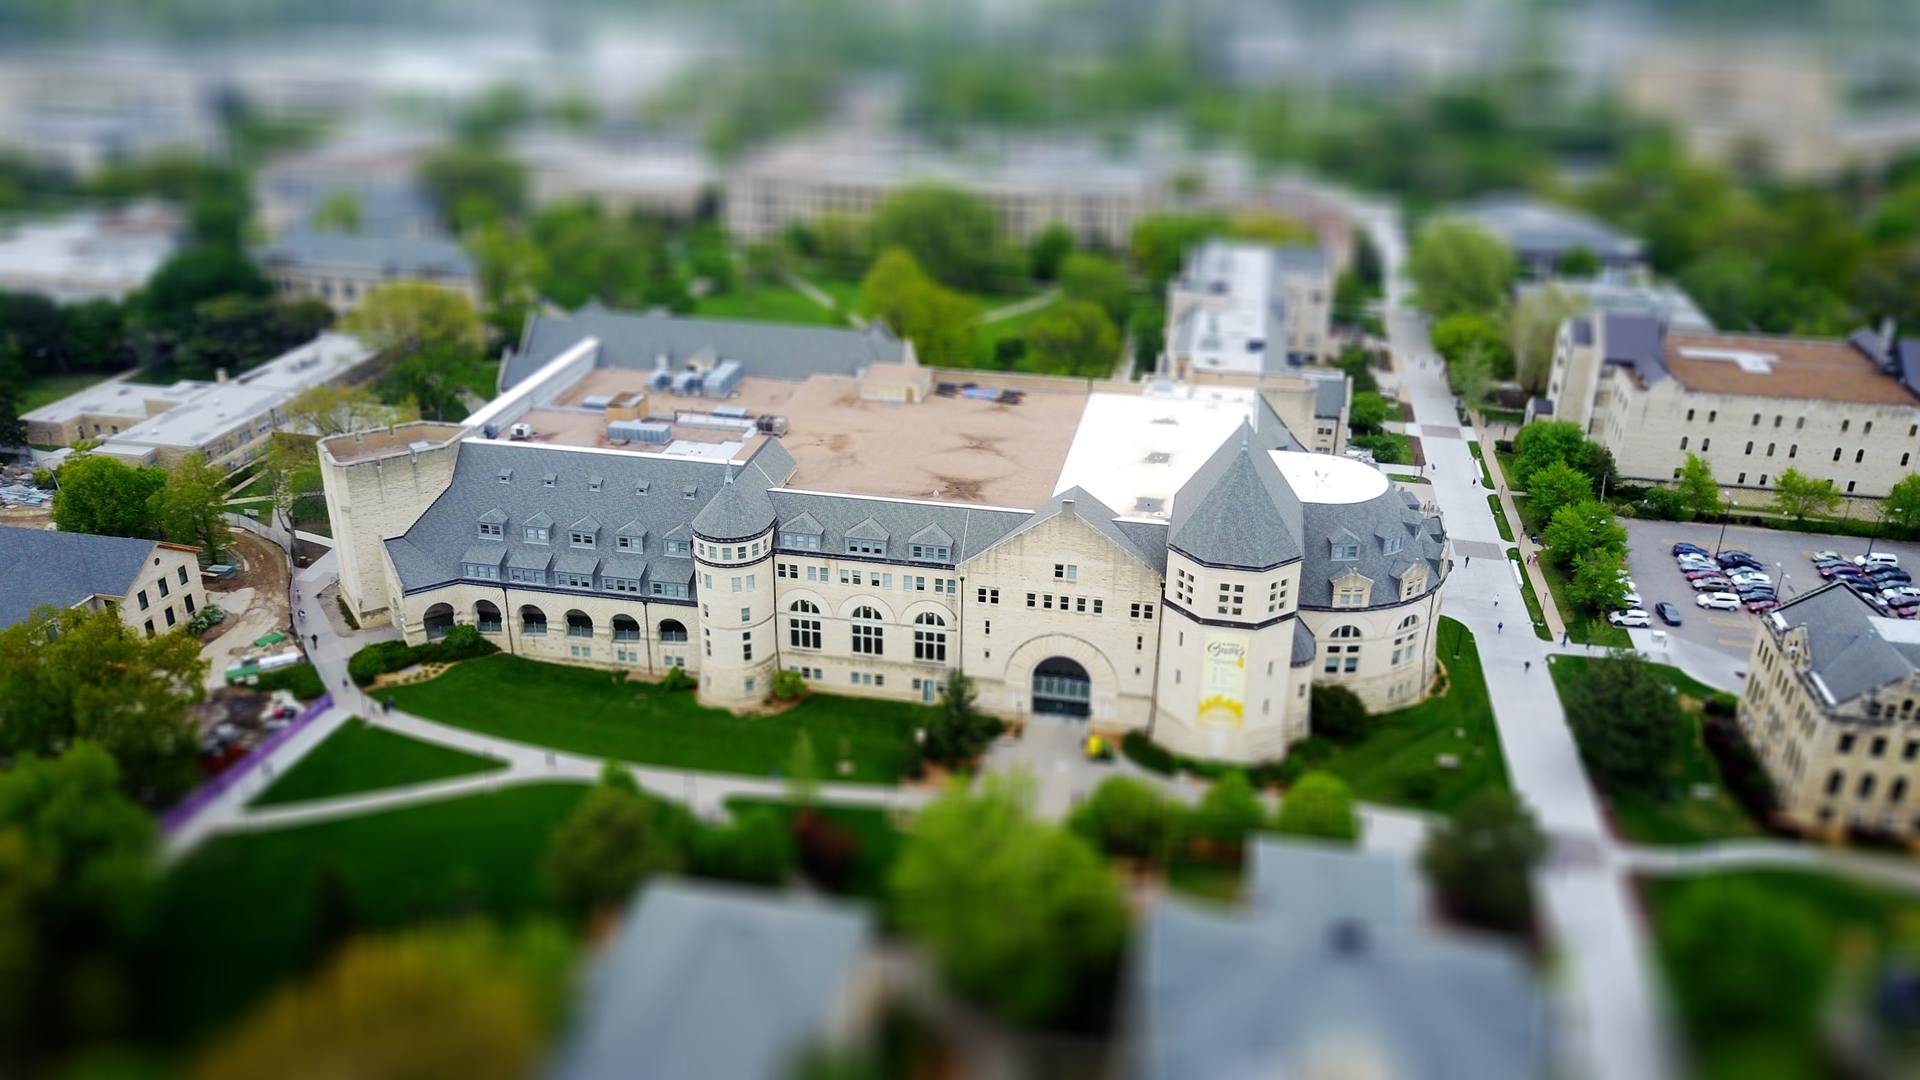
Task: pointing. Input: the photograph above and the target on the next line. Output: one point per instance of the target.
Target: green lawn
(586, 711)
(772, 303)
(1218, 882)
(1485, 476)
(1681, 818)
(1500, 518)
(41, 390)
(1863, 924)
(988, 335)
(358, 758)
(879, 841)
(1534, 612)
(240, 914)
(1395, 762)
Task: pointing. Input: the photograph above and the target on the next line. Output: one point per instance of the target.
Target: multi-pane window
(1183, 584)
(1231, 598)
(1343, 657)
(183, 575)
(988, 596)
(576, 581)
(867, 632)
(930, 553)
(580, 538)
(1066, 572)
(529, 577)
(1140, 611)
(673, 589)
(1406, 641)
(803, 627)
(866, 547)
(929, 637)
(535, 534)
(627, 543)
(800, 541)
(746, 645)
(1346, 552)
(492, 530)
(621, 585)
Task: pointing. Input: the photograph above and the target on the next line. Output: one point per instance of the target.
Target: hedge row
(461, 643)
(1150, 755)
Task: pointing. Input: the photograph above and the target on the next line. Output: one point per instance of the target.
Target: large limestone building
(737, 500)
(1751, 405)
(1832, 706)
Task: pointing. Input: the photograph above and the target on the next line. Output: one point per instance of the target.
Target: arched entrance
(438, 620)
(1061, 687)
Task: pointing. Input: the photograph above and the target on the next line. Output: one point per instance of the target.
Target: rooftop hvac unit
(722, 380)
(660, 379)
(710, 422)
(735, 411)
(638, 431)
(521, 431)
(772, 425)
(686, 382)
(597, 401)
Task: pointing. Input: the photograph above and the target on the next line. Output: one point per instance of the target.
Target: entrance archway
(1061, 687)
(438, 620)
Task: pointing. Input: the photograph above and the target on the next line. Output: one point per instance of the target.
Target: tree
(617, 838)
(1471, 376)
(1581, 528)
(1745, 959)
(1901, 509)
(1148, 328)
(1018, 914)
(1048, 249)
(106, 497)
(190, 507)
(473, 185)
(1557, 485)
(413, 315)
(1160, 243)
(1480, 862)
(1098, 280)
(76, 878)
(338, 212)
(425, 382)
(1800, 496)
(1228, 811)
(951, 232)
(195, 275)
(1337, 713)
(803, 771)
(1544, 442)
(1128, 818)
(1628, 723)
(1596, 584)
(1319, 805)
(757, 848)
(1367, 413)
(1073, 337)
(1357, 362)
(13, 430)
(1457, 266)
(291, 468)
(72, 674)
(465, 1000)
(1699, 491)
(1533, 325)
(959, 733)
(938, 321)
(1578, 262)
(1462, 331)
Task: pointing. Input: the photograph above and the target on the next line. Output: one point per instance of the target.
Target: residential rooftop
(1851, 648)
(41, 567)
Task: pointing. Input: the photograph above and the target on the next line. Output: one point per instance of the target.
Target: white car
(1823, 556)
(1878, 558)
(1724, 601)
(1901, 592)
(1633, 616)
(1755, 576)
(1632, 599)
(1697, 564)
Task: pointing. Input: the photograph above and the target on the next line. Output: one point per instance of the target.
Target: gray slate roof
(974, 529)
(1237, 510)
(1315, 884)
(1080, 503)
(425, 556)
(1222, 997)
(385, 252)
(705, 982)
(1305, 648)
(1638, 342)
(1851, 648)
(1539, 230)
(1392, 514)
(39, 567)
(636, 339)
(1329, 396)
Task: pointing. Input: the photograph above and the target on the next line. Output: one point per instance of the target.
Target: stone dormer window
(1351, 590)
(1390, 545)
(548, 480)
(1345, 550)
(594, 483)
(534, 534)
(506, 476)
(929, 553)
(866, 547)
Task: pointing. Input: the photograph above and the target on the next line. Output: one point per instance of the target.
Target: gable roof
(1078, 502)
(1237, 510)
(703, 982)
(41, 566)
(1851, 647)
(636, 340)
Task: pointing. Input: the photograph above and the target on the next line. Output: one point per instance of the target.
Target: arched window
(803, 626)
(1409, 621)
(867, 633)
(486, 617)
(1343, 658)
(671, 630)
(579, 624)
(438, 620)
(626, 628)
(1406, 640)
(930, 637)
(533, 621)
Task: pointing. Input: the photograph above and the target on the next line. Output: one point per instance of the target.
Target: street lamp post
(1725, 513)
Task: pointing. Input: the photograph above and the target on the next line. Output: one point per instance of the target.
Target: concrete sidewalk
(1529, 552)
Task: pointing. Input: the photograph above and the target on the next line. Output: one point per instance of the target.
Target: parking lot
(1650, 558)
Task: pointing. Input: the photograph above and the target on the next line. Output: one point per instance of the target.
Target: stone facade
(376, 485)
(167, 593)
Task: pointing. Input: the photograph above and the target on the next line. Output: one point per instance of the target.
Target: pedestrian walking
(1499, 626)
(1469, 560)
(1529, 666)
(316, 641)
(1496, 601)
(303, 614)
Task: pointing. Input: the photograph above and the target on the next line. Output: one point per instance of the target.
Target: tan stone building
(1249, 309)
(1752, 406)
(341, 268)
(154, 585)
(1163, 558)
(1832, 706)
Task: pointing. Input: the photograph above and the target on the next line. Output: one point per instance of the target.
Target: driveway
(1785, 555)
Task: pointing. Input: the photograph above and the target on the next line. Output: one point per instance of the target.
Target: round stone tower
(733, 570)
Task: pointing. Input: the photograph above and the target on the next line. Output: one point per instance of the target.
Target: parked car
(1901, 592)
(1720, 601)
(1705, 571)
(1732, 559)
(1712, 584)
(1682, 548)
(1668, 613)
(1878, 558)
(1749, 579)
(1840, 570)
(1884, 574)
(1762, 605)
(1632, 599)
(1631, 617)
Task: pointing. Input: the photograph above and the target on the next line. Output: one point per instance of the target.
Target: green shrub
(1128, 817)
(788, 685)
(1338, 714)
(756, 848)
(377, 659)
(1148, 754)
(346, 612)
(461, 643)
(205, 621)
(301, 680)
(676, 679)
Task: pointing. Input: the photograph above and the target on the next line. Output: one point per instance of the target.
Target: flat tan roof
(362, 445)
(1824, 369)
(956, 449)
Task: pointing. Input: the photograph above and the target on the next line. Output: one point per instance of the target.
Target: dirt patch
(414, 674)
(955, 489)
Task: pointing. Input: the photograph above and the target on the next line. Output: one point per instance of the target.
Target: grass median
(1534, 612)
(358, 758)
